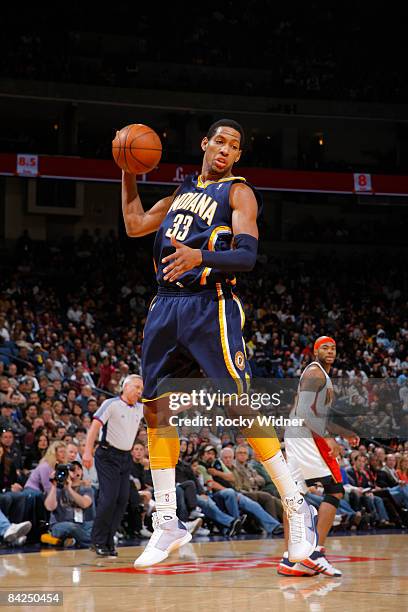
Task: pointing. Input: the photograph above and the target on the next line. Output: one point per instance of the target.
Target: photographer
(71, 506)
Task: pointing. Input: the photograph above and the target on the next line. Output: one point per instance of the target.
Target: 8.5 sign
(27, 164)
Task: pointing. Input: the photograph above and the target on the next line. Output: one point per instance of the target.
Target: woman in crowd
(183, 448)
(76, 415)
(39, 479)
(402, 469)
(70, 401)
(36, 452)
(49, 422)
(57, 409)
(38, 485)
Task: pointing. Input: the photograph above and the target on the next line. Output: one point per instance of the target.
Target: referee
(119, 419)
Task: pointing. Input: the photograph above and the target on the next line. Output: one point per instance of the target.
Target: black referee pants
(113, 467)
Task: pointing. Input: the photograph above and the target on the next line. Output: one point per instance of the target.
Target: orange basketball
(136, 148)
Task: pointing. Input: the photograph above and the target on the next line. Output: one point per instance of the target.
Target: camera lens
(61, 475)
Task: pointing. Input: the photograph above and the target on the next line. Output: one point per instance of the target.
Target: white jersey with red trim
(316, 410)
(324, 397)
(307, 452)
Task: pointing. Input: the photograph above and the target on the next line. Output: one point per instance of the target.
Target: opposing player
(311, 453)
(206, 231)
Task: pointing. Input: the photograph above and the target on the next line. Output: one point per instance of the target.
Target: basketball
(136, 148)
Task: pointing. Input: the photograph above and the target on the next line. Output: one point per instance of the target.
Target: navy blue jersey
(201, 218)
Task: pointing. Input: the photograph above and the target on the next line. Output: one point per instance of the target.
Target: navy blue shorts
(186, 331)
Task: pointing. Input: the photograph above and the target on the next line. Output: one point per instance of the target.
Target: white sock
(278, 470)
(164, 482)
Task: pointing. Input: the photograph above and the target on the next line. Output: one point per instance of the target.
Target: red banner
(76, 168)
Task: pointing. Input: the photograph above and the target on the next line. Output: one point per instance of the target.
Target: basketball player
(311, 454)
(206, 231)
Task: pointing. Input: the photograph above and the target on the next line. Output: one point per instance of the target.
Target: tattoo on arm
(313, 380)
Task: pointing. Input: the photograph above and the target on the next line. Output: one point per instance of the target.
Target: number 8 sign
(362, 183)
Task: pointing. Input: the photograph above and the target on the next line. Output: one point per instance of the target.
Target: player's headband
(323, 340)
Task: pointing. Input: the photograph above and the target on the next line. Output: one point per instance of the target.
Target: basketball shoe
(15, 530)
(302, 527)
(296, 570)
(167, 536)
(193, 526)
(318, 562)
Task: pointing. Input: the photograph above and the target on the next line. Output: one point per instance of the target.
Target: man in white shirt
(74, 313)
(117, 420)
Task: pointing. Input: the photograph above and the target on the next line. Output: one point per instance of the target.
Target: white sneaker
(145, 533)
(203, 531)
(167, 536)
(16, 530)
(196, 514)
(297, 570)
(192, 526)
(318, 562)
(302, 527)
(20, 541)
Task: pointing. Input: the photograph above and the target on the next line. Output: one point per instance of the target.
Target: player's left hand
(182, 260)
(335, 448)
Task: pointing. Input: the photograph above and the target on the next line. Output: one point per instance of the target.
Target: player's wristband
(240, 259)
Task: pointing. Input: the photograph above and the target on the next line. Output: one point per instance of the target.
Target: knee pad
(333, 487)
(333, 501)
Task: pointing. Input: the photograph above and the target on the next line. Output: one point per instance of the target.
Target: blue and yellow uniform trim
(203, 184)
(221, 229)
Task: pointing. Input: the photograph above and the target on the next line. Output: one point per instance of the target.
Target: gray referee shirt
(120, 422)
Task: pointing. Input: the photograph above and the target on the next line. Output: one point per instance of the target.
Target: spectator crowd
(71, 324)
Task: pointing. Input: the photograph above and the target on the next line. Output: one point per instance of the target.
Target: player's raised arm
(137, 221)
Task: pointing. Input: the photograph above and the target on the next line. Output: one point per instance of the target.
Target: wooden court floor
(217, 576)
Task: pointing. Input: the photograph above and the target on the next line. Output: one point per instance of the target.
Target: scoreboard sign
(27, 165)
(362, 183)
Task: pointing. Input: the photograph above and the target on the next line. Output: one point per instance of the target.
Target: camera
(217, 465)
(61, 474)
(213, 464)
